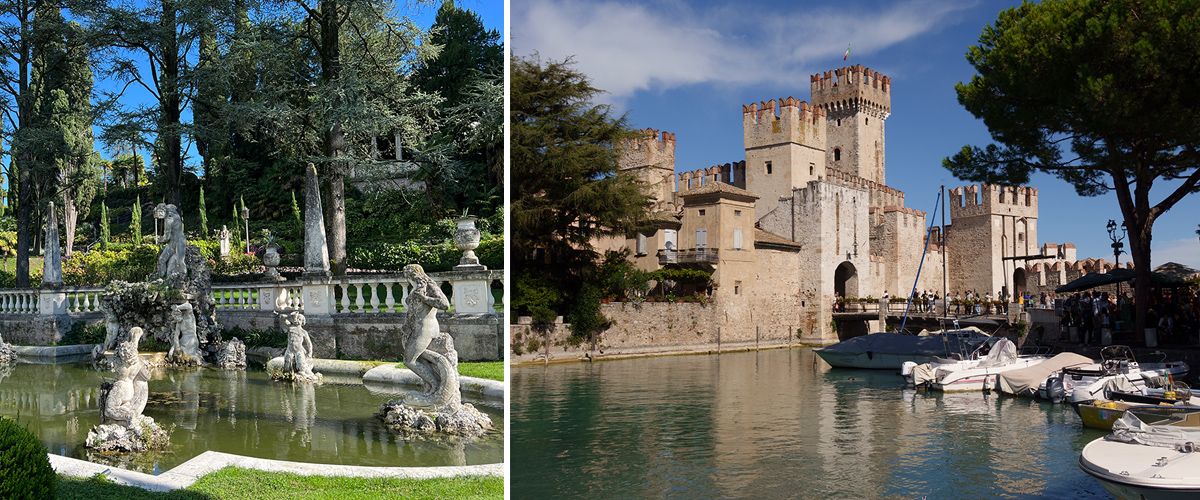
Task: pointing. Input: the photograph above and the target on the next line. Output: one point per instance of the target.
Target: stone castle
(808, 214)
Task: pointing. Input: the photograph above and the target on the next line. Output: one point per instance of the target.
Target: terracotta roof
(718, 187)
(761, 236)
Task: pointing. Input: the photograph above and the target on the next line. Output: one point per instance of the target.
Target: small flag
(847, 52)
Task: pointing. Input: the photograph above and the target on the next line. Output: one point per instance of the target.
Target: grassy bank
(241, 484)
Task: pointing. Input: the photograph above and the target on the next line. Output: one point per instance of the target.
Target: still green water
(242, 412)
(780, 424)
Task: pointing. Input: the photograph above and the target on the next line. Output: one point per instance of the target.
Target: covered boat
(891, 350)
(1025, 381)
(976, 374)
(1152, 454)
(1117, 370)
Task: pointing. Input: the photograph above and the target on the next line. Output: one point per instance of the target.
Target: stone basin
(239, 412)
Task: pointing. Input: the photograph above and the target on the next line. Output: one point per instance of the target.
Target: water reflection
(779, 424)
(240, 412)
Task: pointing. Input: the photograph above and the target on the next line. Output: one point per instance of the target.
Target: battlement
(853, 85)
(727, 173)
(993, 199)
(649, 148)
(797, 122)
(880, 194)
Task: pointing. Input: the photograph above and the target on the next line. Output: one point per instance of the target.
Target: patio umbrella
(1093, 280)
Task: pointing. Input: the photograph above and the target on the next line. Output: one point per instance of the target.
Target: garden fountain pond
(241, 412)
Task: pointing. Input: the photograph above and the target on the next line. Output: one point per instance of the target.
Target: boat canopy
(1165, 426)
(1026, 380)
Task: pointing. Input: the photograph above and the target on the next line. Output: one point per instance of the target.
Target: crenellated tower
(856, 101)
(651, 158)
(784, 151)
(990, 225)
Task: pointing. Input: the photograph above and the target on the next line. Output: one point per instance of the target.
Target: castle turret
(857, 102)
(651, 158)
(990, 225)
(784, 151)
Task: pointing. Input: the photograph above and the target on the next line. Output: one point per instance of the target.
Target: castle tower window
(701, 212)
(768, 168)
(866, 121)
(839, 122)
(811, 169)
(737, 285)
(837, 154)
(737, 213)
(737, 239)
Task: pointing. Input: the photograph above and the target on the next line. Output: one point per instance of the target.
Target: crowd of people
(1172, 312)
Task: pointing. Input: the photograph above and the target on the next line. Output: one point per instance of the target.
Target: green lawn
(240, 484)
(492, 370)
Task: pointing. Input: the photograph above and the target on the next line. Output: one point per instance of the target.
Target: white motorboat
(891, 350)
(977, 373)
(1152, 454)
(1025, 381)
(1117, 370)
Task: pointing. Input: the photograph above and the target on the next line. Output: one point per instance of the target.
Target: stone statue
(223, 235)
(430, 354)
(185, 345)
(123, 402)
(231, 355)
(419, 327)
(171, 259)
(298, 357)
(7, 353)
(112, 327)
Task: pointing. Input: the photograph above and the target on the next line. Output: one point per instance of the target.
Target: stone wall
(647, 329)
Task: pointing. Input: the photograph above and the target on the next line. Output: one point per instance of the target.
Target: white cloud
(625, 48)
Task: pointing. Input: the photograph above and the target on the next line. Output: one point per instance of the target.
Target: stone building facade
(808, 216)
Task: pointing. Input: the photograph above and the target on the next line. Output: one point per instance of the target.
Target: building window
(839, 122)
(737, 213)
(701, 212)
(866, 121)
(641, 244)
(737, 239)
(768, 168)
(737, 285)
(811, 169)
(701, 238)
(837, 154)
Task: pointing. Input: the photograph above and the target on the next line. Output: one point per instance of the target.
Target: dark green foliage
(434, 258)
(584, 315)
(621, 279)
(539, 297)
(297, 220)
(1098, 93)
(694, 277)
(237, 263)
(82, 333)
(257, 338)
(567, 187)
(9, 279)
(25, 470)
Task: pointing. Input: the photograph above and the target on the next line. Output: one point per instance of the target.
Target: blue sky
(688, 67)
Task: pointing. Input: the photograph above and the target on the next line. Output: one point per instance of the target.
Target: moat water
(242, 412)
(780, 424)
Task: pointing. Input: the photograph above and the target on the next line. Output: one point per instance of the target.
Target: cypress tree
(104, 231)
(204, 215)
(135, 225)
(298, 223)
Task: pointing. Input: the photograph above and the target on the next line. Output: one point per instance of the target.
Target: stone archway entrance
(845, 280)
(1018, 282)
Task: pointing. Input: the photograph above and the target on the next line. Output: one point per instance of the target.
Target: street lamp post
(245, 216)
(1117, 246)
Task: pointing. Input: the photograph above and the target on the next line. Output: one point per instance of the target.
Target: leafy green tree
(567, 187)
(1098, 93)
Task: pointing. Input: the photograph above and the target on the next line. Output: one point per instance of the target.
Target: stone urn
(466, 237)
(271, 260)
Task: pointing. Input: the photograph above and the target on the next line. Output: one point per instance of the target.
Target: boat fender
(1054, 390)
(907, 367)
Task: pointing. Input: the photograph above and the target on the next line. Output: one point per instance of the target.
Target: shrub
(101, 267)
(257, 338)
(491, 253)
(25, 470)
(237, 263)
(82, 333)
